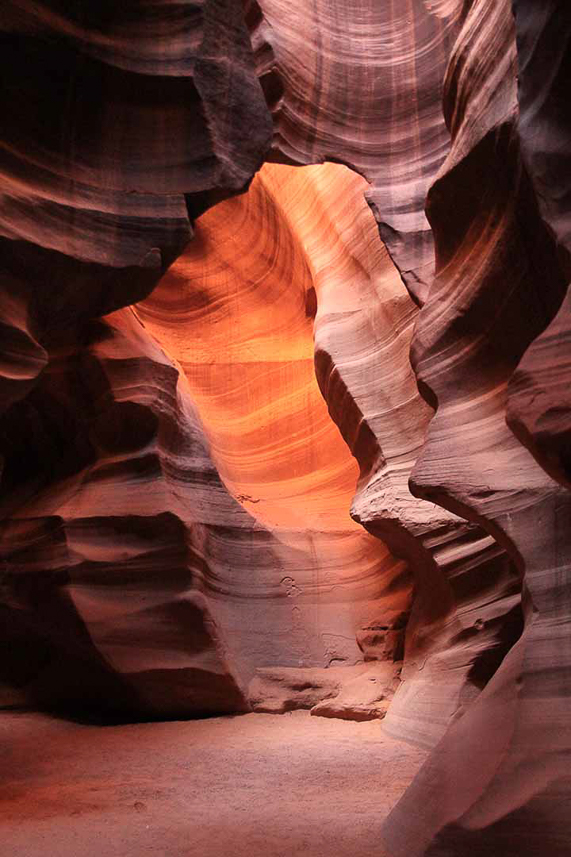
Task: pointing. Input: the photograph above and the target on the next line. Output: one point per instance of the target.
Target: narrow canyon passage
(285, 428)
(292, 580)
(236, 310)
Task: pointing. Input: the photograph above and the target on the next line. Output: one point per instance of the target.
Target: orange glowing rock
(236, 311)
(233, 311)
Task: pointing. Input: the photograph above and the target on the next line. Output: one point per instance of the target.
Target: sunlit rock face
(317, 456)
(236, 310)
(458, 630)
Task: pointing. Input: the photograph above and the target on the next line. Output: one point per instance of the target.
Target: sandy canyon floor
(257, 785)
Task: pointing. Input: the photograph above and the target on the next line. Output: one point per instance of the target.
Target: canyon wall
(273, 433)
(485, 349)
(118, 124)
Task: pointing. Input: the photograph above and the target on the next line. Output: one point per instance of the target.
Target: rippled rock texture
(490, 350)
(119, 124)
(284, 388)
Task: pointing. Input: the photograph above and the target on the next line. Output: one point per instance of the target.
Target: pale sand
(258, 785)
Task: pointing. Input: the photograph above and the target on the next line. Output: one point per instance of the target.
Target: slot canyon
(285, 430)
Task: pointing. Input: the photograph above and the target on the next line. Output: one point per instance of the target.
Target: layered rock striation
(317, 456)
(118, 124)
(362, 84)
(236, 310)
(482, 341)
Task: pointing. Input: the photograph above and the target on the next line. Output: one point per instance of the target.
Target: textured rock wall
(117, 123)
(538, 405)
(479, 347)
(179, 507)
(103, 606)
(362, 84)
(236, 311)
(460, 628)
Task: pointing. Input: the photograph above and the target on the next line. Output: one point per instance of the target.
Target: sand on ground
(256, 785)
